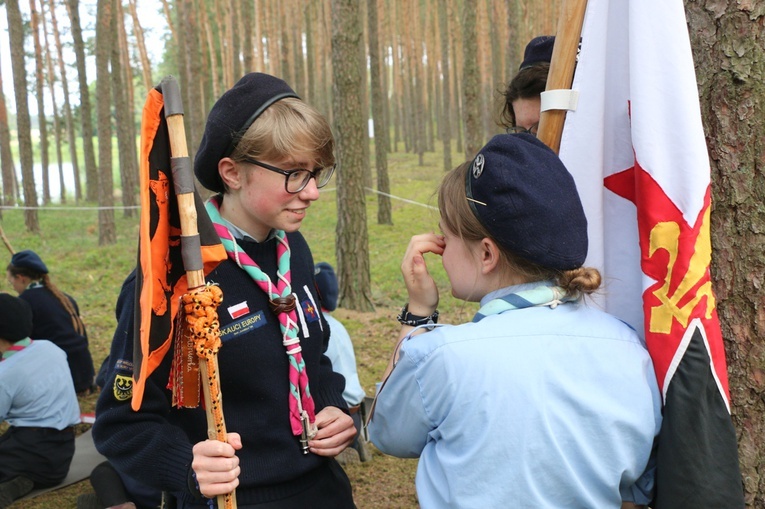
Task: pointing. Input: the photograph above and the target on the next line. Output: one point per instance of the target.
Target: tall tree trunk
(50, 74)
(123, 116)
(23, 122)
(514, 52)
(446, 135)
(352, 244)
(105, 39)
(249, 28)
(728, 41)
(91, 173)
(471, 81)
(141, 43)
(384, 215)
(312, 91)
(42, 122)
(204, 20)
(70, 129)
(6, 156)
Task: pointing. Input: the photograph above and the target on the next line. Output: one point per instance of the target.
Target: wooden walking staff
(198, 318)
(5, 241)
(561, 73)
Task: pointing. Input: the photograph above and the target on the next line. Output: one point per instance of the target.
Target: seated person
(522, 97)
(340, 351)
(38, 401)
(56, 316)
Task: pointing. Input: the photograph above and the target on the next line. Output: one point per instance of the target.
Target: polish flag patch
(238, 310)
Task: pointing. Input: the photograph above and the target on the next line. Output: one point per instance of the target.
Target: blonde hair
(286, 127)
(458, 218)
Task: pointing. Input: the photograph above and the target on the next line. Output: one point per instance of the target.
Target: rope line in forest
(405, 200)
(116, 207)
(121, 207)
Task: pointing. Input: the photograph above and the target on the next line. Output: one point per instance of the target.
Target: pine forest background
(425, 74)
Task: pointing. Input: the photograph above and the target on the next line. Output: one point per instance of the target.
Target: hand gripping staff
(198, 327)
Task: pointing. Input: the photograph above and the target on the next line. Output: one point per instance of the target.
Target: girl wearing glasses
(265, 153)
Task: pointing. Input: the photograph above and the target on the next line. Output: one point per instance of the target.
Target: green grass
(68, 243)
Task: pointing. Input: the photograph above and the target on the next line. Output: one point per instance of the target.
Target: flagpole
(562, 66)
(206, 347)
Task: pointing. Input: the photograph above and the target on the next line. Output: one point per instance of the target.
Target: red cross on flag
(636, 148)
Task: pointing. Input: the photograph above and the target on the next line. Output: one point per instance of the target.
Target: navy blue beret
(326, 283)
(28, 259)
(15, 318)
(229, 119)
(523, 195)
(538, 50)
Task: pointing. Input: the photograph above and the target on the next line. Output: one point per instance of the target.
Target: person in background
(522, 96)
(340, 352)
(56, 316)
(542, 400)
(265, 153)
(37, 399)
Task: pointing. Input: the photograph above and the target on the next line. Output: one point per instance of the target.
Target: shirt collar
(240, 234)
(498, 294)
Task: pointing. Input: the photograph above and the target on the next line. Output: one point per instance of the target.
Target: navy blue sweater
(52, 322)
(154, 445)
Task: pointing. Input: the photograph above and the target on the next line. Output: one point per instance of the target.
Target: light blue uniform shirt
(340, 352)
(36, 388)
(530, 408)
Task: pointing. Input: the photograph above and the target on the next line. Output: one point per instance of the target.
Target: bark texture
(728, 41)
(351, 235)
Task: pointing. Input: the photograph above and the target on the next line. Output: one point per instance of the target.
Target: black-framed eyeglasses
(296, 180)
(516, 129)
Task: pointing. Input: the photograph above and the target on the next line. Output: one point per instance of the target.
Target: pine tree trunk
(91, 173)
(446, 122)
(51, 78)
(728, 41)
(384, 215)
(42, 122)
(104, 41)
(141, 43)
(471, 81)
(127, 158)
(23, 122)
(6, 156)
(352, 242)
(70, 129)
(247, 10)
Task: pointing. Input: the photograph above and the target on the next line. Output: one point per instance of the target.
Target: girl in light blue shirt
(541, 401)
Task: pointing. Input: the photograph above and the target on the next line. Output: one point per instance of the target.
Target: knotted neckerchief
(302, 410)
(16, 348)
(537, 296)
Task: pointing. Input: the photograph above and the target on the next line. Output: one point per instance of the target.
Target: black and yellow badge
(123, 387)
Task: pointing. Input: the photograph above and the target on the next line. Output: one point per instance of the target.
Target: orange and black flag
(160, 272)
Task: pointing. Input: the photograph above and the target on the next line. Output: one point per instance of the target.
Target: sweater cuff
(193, 485)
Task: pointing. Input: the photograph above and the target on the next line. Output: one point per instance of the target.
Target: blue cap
(538, 50)
(28, 259)
(326, 283)
(523, 195)
(230, 118)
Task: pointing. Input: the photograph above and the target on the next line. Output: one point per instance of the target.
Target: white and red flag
(636, 148)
